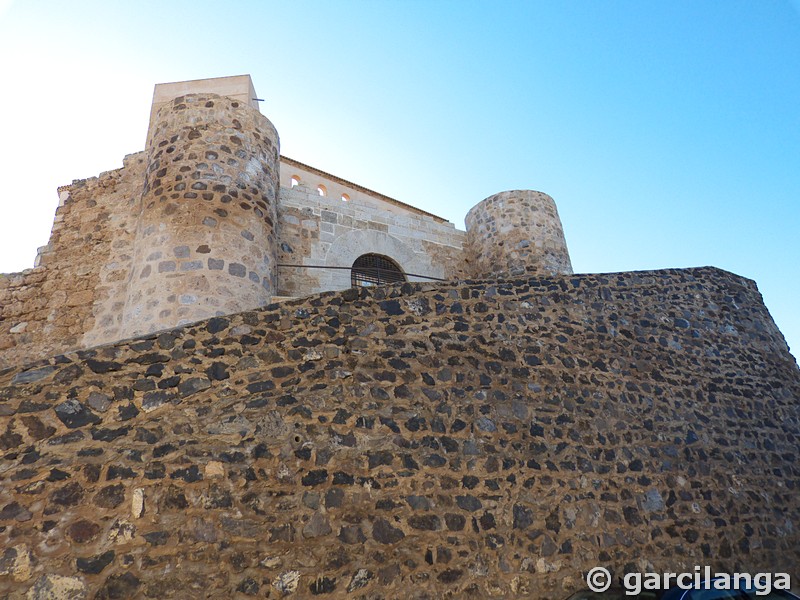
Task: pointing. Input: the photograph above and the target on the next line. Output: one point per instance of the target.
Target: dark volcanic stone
(261, 386)
(110, 496)
(248, 587)
(425, 522)
(334, 498)
(450, 575)
(32, 375)
(318, 525)
(83, 531)
(119, 587)
(418, 502)
(69, 495)
(323, 585)
(175, 498)
(352, 534)
(67, 438)
(24, 474)
(384, 533)
(342, 478)
(315, 477)
(95, 564)
(284, 533)
(552, 522)
(119, 472)
(434, 460)
(468, 502)
(189, 475)
(537, 430)
(163, 450)
(382, 457)
(155, 470)
(156, 538)
(126, 413)
(27, 406)
(632, 515)
(109, 435)
(457, 426)
(455, 522)
(74, 414)
(9, 439)
(57, 475)
(193, 385)
(391, 307)
(216, 325)
(15, 511)
(102, 366)
(523, 517)
(415, 423)
(153, 400)
(218, 371)
(150, 358)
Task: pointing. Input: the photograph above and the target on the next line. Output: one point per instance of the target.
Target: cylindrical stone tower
(205, 243)
(515, 232)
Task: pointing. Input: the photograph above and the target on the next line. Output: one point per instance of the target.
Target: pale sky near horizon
(667, 131)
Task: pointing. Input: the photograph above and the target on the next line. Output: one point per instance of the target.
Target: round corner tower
(205, 242)
(515, 232)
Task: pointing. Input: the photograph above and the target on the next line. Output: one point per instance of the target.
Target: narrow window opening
(345, 198)
(295, 180)
(321, 189)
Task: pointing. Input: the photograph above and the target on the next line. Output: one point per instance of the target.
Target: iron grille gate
(374, 269)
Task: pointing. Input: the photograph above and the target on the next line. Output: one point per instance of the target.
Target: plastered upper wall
(481, 439)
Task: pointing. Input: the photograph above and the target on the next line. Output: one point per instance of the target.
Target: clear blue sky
(668, 132)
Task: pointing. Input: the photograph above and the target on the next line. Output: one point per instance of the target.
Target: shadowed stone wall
(419, 441)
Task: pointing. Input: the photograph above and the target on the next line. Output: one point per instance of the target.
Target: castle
(232, 374)
(210, 220)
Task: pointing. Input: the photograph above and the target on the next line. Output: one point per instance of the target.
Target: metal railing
(377, 270)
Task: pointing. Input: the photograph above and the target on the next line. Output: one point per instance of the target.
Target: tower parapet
(205, 242)
(516, 231)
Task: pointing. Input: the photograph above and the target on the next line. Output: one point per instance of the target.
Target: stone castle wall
(73, 298)
(210, 220)
(492, 438)
(327, 231)
(194, 227)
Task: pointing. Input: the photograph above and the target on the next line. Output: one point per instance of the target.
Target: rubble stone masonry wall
(417, 441)
(74, 296)
(516, 231)
(205, 240)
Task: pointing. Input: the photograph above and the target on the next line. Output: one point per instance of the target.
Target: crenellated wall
(484, 439)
